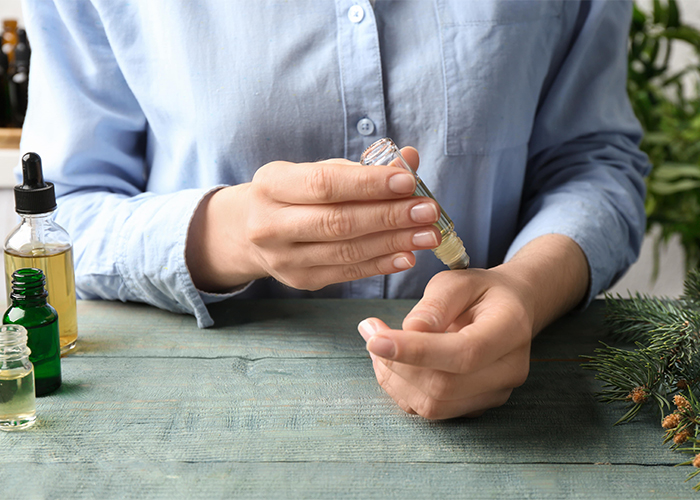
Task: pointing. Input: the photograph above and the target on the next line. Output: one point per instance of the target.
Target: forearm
(552, 273)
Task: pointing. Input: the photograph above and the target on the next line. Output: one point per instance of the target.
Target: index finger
(333, 182)
(488, 338)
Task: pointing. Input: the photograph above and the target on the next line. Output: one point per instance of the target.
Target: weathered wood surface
(280, 401)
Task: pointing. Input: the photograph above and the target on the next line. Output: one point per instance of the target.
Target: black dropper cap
(34, 196)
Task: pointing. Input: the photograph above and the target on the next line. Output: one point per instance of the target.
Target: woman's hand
(311, 224)
(466, 345)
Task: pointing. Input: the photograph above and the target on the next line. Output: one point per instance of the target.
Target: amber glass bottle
(9, 39)
(19, 80)
(31, 310)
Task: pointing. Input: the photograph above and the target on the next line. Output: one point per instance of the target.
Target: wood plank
(279, 410)
(283, 328)
(141, 478)
(281, 401)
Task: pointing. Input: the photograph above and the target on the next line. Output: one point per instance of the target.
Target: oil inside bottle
(57, 264)
(17, 400)
(451, 250)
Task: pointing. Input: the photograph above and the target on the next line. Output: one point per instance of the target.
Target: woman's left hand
(465, 346)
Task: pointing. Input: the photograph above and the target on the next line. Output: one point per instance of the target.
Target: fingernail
(402, 263)
(402, 183)
(366, 329)
(424, 213)
(381, 346)
(426, 239)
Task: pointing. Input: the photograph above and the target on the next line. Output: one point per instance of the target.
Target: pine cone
(638, 395)
(681, 437)
(681, 402)
(671, 421)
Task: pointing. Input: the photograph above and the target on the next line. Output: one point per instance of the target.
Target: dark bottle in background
(5, 106)
(14, 74)
(19, 80)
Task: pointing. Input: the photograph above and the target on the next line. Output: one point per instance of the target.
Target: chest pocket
(495, 58)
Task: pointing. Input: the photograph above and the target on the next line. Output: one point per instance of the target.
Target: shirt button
(365, 126)
(356, 13)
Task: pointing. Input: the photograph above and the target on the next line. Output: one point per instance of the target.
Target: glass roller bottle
(451, 250)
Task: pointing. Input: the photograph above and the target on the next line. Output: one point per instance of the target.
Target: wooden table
(280, 401)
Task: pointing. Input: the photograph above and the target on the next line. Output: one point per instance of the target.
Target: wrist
(552, 275)
(216, 251)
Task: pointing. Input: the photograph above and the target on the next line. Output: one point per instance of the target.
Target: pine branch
(632, 377)
(635, 318)
(655, 370)
(664, 362)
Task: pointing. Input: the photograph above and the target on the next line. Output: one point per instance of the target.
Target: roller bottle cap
(34, 196)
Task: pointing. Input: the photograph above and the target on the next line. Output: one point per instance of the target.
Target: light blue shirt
(518, 110)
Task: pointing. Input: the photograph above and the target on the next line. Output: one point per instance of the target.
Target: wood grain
(280, 401)
(142, 478)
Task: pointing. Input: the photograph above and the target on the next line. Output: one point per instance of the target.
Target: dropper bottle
(38, 242)
(451, 250)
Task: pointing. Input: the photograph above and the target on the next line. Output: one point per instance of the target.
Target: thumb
(446, 296)
(411, 156)
(428, 315)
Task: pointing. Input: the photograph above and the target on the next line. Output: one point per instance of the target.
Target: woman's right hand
(311, 224)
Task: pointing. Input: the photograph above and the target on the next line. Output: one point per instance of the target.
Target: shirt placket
(363, 96)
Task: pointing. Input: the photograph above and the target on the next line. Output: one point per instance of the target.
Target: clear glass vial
(17, 400)
(451, 250)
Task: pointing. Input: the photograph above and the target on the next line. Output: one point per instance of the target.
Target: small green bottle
(31, 310)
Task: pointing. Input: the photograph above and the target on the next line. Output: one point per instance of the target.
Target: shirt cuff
(151, 258)
(602, 236)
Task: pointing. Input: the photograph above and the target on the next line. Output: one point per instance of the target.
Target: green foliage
(671, 122)
(666, 357)
(663, 364)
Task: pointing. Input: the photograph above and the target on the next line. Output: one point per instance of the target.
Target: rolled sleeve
(585, 173)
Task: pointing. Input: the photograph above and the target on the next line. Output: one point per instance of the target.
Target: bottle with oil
(40, 243)
(451, 250)
(17, 400)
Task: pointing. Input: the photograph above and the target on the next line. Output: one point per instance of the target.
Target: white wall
(11, 9)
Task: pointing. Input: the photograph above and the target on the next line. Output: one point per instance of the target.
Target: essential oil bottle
(30, 310)
(17, 400)
(40, 243)
(451, 250)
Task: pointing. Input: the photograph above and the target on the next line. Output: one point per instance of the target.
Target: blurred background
(664, 88)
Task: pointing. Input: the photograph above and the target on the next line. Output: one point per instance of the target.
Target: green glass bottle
(31, 310)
